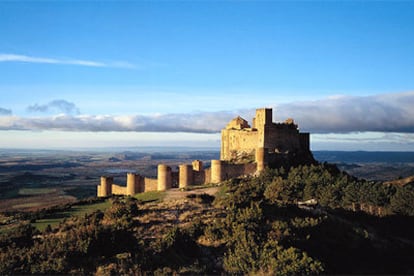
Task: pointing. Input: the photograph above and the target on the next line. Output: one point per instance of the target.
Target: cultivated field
(32, 180)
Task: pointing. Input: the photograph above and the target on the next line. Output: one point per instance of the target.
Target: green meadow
(76, 210)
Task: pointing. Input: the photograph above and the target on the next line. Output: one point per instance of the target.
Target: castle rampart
(230, 170)
(244, 150)
(150, 184)
(118, 190)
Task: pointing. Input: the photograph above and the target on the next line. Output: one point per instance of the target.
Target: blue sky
(148, 73)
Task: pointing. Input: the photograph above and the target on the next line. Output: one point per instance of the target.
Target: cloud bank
(196, 123)
(78, 62)
(342, 114)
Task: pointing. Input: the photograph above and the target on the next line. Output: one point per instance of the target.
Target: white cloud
(79, 62)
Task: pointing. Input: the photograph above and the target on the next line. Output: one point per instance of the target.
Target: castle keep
(274, 140)
(245, 150)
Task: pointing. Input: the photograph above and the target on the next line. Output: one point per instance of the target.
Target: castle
(245, 150)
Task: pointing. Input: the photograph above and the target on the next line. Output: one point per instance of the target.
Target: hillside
(401, 182)
(246, 225)
(370, 165)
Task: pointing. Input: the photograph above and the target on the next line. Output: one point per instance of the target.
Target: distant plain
(36, 179)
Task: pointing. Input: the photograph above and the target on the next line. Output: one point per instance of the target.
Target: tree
(275, 260)
(274, 191)
(402, 202)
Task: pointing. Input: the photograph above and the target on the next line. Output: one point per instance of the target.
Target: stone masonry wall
(240, 140)
(282, 139)
(150, 184)
(200, 177)
(207, 175)
(118, 190)
(236, 170)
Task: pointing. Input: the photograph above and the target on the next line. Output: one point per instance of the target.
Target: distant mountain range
(364, 156)
(322, 156)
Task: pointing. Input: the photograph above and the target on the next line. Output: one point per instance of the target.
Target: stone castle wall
(282, 140)
(118, 190)
(185, 177)
(237, 141)
(305, 141)
(150, 184)
(205, 176)
(236, 170)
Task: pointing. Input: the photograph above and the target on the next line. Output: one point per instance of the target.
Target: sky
(81, 74)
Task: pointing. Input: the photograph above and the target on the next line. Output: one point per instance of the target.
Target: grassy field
(77, 210)
(36, 191)
(150, 196)
(80, 210)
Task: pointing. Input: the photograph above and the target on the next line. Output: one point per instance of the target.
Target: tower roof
(238, 123)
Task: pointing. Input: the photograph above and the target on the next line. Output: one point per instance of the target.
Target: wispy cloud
(59, 106)
(390, 113)
(79, 62)
(4, 111)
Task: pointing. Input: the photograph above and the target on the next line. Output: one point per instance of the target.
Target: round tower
(197, 165)
(164, 177)
(261, 159)
(133, 181)
(106, 185)
(216, 171)
(185, 176)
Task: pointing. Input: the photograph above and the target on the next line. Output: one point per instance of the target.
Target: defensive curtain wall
(245, 150)
(187, 175)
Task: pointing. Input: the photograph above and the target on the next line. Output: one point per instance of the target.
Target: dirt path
(174, 194)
